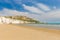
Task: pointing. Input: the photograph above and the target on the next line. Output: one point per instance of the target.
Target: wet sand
(14, 32)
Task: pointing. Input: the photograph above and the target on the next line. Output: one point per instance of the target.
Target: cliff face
(23, 18)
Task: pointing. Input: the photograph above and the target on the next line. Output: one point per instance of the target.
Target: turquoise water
(54, 23)
(50, 26)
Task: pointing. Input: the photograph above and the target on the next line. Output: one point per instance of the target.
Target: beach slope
(14, 32)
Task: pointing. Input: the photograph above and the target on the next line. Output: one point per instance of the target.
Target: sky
(42, 10)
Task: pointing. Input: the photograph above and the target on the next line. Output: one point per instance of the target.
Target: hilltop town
(17, 20)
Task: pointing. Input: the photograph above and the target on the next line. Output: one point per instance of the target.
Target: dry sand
(13, 32)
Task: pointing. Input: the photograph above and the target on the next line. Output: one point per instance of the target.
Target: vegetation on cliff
(24, 18)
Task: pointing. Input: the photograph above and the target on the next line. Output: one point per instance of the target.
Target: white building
(4, 20)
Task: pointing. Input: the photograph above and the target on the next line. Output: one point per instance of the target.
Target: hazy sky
(43, 10)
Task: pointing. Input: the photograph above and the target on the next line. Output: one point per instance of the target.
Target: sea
(49, 25)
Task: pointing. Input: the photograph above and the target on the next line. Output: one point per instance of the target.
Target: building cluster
(4, 20)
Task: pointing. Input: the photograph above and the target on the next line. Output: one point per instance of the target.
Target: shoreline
(52, 30)
(43, 26)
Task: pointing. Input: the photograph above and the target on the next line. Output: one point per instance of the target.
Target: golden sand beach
(14, 32)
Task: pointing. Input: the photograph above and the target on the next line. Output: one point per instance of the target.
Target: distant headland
(18, 20)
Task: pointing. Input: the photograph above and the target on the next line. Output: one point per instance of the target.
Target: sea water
(51, 26)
